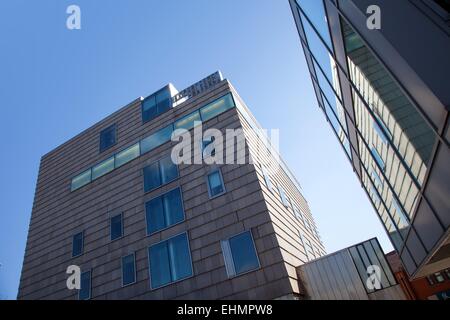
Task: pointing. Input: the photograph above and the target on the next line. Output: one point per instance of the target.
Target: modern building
(386, 96)
(139, 226)
(343, 275)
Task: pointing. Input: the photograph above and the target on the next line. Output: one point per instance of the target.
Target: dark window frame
(134, 267)
(121, 227)
(82, 244)
(112, 127)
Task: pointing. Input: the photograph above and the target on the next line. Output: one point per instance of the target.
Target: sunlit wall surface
(391, 139)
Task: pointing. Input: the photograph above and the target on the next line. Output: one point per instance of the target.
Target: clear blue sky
(55, 83)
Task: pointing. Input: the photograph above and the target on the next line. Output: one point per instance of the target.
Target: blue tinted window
(152, 177)
(243, 252)
(159, 173)
(116, 227)
(85, 286)
(377, 158)
(107, 138)
(164, 211)
(215, 184)
(81, 180)
(156, 104)
(103, 168)
(128, 270)
(170, 261)
(155, 140)
(127, 155)
(188, 122)
(380, 132)
(159, 265)
(217, 107)
(320, 52)
(315, 11)
(77, 244)
(377, 179)
(169, 170)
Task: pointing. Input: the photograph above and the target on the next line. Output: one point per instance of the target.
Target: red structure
(432, 287)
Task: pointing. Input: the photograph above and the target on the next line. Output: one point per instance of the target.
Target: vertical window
(376, 156)
(215, 184)
(164, 211)
(85, 286)
(447, 273)
(159, 173)
(380, 132)
(128, 270)
(283, 196)
(377, 179)
(170, 261)
(77, 244)
(116, 227)
(107, 138)
(266, 178)
(240, 254)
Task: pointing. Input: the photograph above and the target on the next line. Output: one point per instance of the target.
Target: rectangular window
(215, 184)
(81, 180)
(170, 261)
(127, 155)
(380, 132)
(77, 244)
(103, 168)
(239, 253)
(85, 286)
(116, 227)
(156, 139)
(430, 280)
(188, 122)
(164, 211)
(377, 179)
(266, 178)
(159, 173)
(128, 270)
(108, 137)
(283, 197)
(217, 107)
(156, 104)
(376, 156)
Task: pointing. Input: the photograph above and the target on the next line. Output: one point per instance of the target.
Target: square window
(128, 270)
(215, 184)
(169, 261)
(116, 226)
(77, 244)
(240, 254)
(107, 138)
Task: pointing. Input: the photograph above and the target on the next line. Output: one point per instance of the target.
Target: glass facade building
(388, 111)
